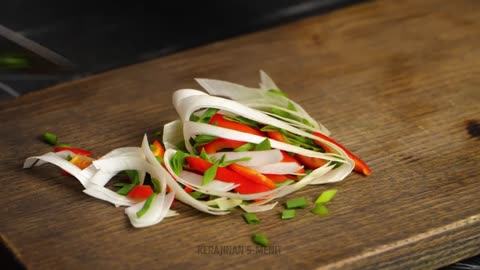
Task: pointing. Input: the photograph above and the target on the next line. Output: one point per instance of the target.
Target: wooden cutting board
(397, 82)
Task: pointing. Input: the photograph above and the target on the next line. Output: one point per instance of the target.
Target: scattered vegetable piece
(320, 209)
(288, 214)
(50, 138)
(141, 191)
(326, 196)
(296, 203)
(146, 206)
(251, 218)
(260, 239)
(126, 189)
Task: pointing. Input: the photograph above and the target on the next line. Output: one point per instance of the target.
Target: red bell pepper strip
(309, 162)
(77, 151)
(158, 151)
(141, 191)
(219, 144)
(252, 175)
(226, 175)
(288, 158)
(280, 178)
(360, 165)
(220, 121)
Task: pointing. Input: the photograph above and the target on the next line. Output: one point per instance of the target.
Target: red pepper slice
(220, 121)
(280, 178)
(77, 151)
(252, 175)
(219, 144)
(159, 151)
(309, 162)
(224, 174)
(141, 191)
(288, 158)
(360, 165)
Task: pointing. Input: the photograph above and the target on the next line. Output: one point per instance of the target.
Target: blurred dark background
(96, 36)
(82, 38)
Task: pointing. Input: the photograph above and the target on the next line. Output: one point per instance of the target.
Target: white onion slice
(60, 162)
(195, 181)
(255, 208)
(105, 194)
(172, 134)
(224, 203)
(278, 168)
(155, 214)
(257, 158)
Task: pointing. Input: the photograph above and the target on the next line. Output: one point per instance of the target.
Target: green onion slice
(146, 206)
(320, 210)
(326, 196)
(288, 214)
(251, 218)
(296, 203)
(260, 239)
(50, 138)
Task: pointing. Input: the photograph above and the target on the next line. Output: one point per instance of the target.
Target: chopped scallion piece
(269, 128)
(156, 185)
(251, 218)
(296, 203)
(326, 196)
(153, 147)
(133, 176)
(277, 92)
(245, 147)
(177, 161)
(264, 145)
(126, 189)
(320, 209)
(120, 184)
(229, 162)
(209, 174)
(260, 239)
(198, 195)
(207, 115)
(242, 120)
(288, 214)
(68, 158)
(146, 206)
(50, 138)
(204, 155)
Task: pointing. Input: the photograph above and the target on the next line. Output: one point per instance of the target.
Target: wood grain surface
(398, 82)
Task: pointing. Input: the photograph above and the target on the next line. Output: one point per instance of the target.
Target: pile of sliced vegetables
(232, 147)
